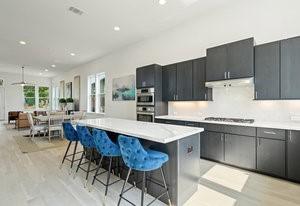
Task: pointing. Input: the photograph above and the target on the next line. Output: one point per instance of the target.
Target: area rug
(27, 145)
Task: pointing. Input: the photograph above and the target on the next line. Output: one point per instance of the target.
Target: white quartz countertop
(162, 133)
(274, 125)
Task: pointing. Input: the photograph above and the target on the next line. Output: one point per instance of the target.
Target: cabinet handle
(221, 137)
(228, 75)
(258, 141)
(205, 96)
(174, 97)
(290, 136)
(256, 95)
(225, 75)
(267, 132)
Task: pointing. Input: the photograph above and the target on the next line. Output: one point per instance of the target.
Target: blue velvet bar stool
(71, 135)
(142, 160)
(86, 139)
(107, 149)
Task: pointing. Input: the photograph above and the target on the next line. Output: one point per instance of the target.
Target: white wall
(14, 99)
(265, 20)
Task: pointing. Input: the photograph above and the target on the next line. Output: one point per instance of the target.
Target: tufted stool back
(70, 132)
(133, 152)
(85, 137)
(104, 144)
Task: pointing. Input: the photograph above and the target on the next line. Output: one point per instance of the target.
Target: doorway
(2, 103)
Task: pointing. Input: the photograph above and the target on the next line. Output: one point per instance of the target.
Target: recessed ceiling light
(162, 2)
(72, 54)
(46, 70)
(53, 65)
(117, 28)
(22, 42)
(40, 73)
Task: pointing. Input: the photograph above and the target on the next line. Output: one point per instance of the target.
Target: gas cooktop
(237, 120)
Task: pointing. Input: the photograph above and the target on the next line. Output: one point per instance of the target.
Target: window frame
(96, 78)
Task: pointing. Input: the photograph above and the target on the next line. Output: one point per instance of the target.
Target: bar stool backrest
(85, 137)
(133, 153)
(70, 132)
(104, 144)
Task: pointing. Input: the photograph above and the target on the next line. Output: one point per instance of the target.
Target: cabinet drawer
(192, 124)
(240, 130)
(212, 127)
(271, 133)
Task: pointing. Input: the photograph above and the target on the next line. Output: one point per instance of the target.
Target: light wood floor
(34, 179)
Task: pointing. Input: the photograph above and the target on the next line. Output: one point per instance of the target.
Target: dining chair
(55, 124)
(35, 128)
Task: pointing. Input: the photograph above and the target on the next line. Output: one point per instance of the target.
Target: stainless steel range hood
(243, 82)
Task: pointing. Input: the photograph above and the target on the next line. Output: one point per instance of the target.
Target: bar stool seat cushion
(85, 137)
(104, 145)
(137, 158)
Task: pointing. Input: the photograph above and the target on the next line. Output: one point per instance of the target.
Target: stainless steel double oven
(145, 109)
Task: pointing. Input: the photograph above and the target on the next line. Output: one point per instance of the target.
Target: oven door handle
(146, 113)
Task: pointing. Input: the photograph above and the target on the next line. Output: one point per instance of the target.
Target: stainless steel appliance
(237, 120)
(145, 113)
(145, 97)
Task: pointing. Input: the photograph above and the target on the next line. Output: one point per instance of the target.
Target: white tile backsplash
(237, 102)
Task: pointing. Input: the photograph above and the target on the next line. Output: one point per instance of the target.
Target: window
(55, 98)
(43, 97)
(29, 97)
(96, 93)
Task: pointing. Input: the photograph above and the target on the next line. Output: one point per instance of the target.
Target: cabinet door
(240, 151)
(169, 82)
(293, 155)
(200, 92)
(145, 76)
(290, 70)
(216, 62)
(267, 71)
(240, 59)
(184, 80)
(212, 145)
(271, 156)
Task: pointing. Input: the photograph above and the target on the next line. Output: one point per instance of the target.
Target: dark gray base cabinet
(293, 155)
(240, 151)
(212, 145)
(271, 156)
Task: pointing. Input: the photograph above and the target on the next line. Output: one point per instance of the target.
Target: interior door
(2, 103)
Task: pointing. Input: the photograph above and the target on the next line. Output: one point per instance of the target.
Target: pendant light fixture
(23, 82)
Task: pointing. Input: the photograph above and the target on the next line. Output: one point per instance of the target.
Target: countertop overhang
(155, 132)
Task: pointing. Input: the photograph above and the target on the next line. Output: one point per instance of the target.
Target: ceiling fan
(23, 82)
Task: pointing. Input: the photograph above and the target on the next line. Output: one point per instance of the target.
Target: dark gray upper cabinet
(200, 92)
(216, 64)
(271, 156)
(293, 155)
(240, 59)
(290, 70)
(240, 150)
(231, 61)
(184, 81)
(169, 76)
(145, 76)
(212, 145)
(267, 71)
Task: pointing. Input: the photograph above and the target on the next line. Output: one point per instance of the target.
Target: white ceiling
(52, 31)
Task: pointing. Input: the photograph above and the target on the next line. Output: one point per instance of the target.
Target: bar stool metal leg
(108, 175)
(99, 166)
(78, 166)
(63, 160)
(121, 194)
(74, 153)
(165, 184)
(88, 170)
(143, 188)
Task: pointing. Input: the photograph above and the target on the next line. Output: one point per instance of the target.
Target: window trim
(96, 78)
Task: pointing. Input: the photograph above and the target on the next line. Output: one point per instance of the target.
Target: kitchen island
(181, 143)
